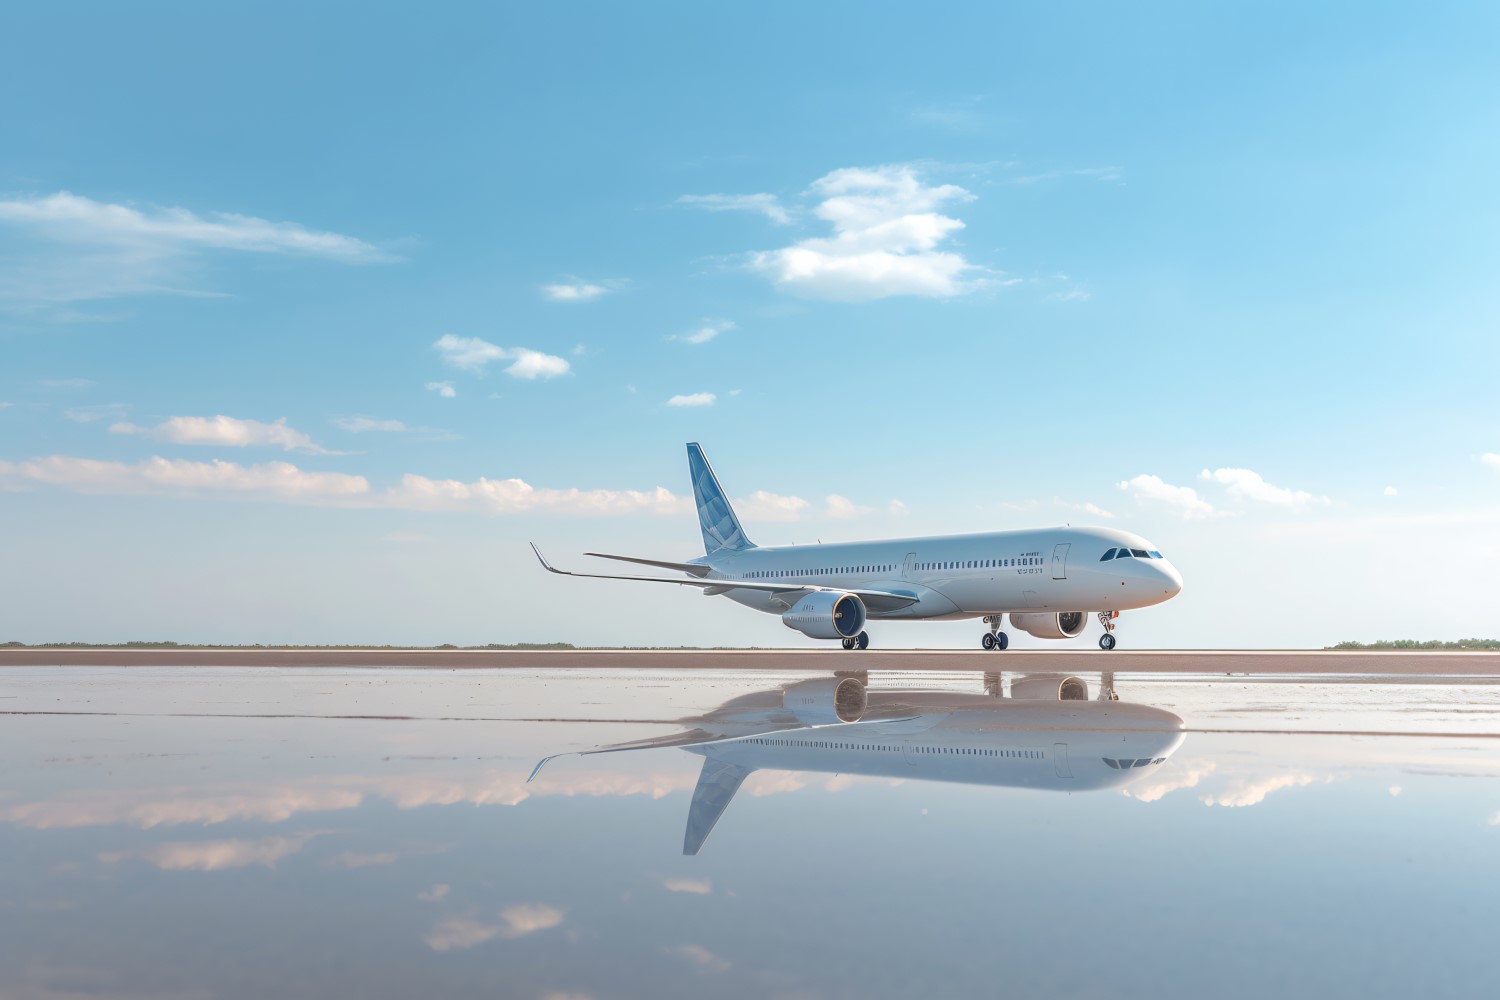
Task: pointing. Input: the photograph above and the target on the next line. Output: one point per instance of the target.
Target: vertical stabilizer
(721, 529)
(717, 783)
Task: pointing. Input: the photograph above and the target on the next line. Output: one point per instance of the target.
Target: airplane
(1037, 577)
(1047, 735)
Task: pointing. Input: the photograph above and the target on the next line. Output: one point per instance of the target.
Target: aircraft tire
(1106, 641)
(848, 643)
(1002, 641)
(987, 641)
(862, 641)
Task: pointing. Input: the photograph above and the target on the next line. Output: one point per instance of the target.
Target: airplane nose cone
(1171, 579)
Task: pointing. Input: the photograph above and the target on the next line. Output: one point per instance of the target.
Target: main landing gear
(861, 641)
(994, 638)
(1107, 619)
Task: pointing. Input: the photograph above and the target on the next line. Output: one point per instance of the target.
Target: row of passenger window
(981, 563)
(1121, 765)
(766, 574)
(1129, 554)
(769, 741)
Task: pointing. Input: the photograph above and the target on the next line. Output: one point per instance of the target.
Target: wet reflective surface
(247, 833)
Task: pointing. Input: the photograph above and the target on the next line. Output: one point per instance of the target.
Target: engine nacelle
(817, 703)
(1048, 625)
(1049, 687)
(826, 614)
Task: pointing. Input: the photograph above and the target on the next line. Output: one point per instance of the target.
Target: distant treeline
(1422, 644)
(139, 644)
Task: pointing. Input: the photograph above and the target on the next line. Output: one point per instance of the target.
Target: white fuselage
(965, 576)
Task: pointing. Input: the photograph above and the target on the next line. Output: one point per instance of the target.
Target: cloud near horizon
(226, 432)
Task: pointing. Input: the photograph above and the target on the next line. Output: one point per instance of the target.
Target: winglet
(540, 764)
(542, 559)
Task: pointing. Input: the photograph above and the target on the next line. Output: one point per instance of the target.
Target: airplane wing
(696, 569)
(882, 600)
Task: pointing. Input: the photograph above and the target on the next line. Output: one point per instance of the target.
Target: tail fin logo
(721, 529)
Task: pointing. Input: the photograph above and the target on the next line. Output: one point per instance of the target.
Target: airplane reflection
(1047, 734)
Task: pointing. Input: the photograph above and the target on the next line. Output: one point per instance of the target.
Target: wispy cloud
(574, 290)
(350, 860)
(272, 480)
(214, 855)
(226, 432)
(1243, 484)
(1086, 508)
(458, 933)
(437, 893)
(1389, 491)
(1491, 459)
(1182, 500)
(97, 412)
(362, 425)
(67, 383)
(692, 886)
(693, 399)
(708, 330)
(887, 230)
(475, 354)
(1084, 173)
(699, 956)
(842, 508)
(1250, 793)
(72, 248)
(763, 204)
(765, 506)
(444, 389)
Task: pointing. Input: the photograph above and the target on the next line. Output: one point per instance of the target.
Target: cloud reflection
(214, 855)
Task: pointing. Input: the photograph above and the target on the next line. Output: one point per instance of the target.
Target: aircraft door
(908, 565)
(1060, 760)
(1060, 560)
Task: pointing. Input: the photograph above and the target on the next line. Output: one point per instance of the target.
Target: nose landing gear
(1107, 619)
(994, 638)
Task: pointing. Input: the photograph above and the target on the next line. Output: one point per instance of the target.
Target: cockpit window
(1140, 553)
(1107, 556)
(1156, 555)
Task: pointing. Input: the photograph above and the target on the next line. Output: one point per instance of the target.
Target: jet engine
(827, 614)
(1046, 625)
(835, 699)
(1049, 687)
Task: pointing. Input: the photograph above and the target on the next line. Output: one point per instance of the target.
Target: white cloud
(438, 892)
(897, 507)
(764, 506)
(214, 855)
(1171, 782)
(360, 425)
(1389, 491)
(458, 933)
(573, 291)
(693, 399)
(1491, 459)
(710, 329)
(226, 432)
(444, 389)
(886, 235)
(5, 404)
(84, 249)
(1255, 792)
(473, 354)
(841, 507)
(766, 204)
(91, 414)
(693, 886)
(271, 480)
(528, 918)
(515, 496)
(1086, 508)
(1183, 500)
(699, 955)
(1243, 484)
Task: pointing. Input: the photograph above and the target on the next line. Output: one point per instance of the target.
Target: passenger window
(1107, 556)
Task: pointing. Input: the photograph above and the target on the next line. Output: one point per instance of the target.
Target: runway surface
(1468, 664)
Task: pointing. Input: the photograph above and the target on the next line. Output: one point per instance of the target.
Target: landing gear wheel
(862, 641)
(987, 641)
(1002, 641)
(848, 643)
(1106, 641)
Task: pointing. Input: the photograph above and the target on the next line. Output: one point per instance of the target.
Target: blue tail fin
(721, 529)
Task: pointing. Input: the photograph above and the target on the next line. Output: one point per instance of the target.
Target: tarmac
(1184, 661)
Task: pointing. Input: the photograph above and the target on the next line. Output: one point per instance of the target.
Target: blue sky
(288, 296)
